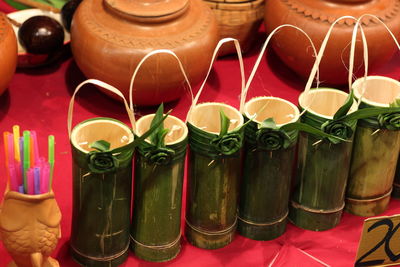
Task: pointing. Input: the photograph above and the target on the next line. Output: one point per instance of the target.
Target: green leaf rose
(160, 155)
(101, 162)
(228, 144)
(272, 139)
(337, 128)
(390, 121)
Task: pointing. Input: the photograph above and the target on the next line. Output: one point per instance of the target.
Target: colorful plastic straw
(16, 143)
(6, 153)
(44, 185)
(31, 182)
(51, 158)
(27, 172)
(36, 147)
(27, 163)
(36, 174)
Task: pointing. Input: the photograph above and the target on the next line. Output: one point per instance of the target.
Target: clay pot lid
(148, 9)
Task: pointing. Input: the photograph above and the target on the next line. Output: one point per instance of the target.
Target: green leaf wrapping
(100, 145)
(225, 122)
(343, 110)
(157, 137)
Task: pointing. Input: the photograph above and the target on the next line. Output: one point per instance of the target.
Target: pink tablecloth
(38, 99)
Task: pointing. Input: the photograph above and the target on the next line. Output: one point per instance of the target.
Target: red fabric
(37, 99)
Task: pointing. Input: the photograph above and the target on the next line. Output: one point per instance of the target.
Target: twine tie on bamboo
(214, 167)
(318, 198)
(101, 186)
(159, 171)
(268, 154)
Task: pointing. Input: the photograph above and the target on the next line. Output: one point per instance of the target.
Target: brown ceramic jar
(8, 52)
(315, 17)
(110, 37)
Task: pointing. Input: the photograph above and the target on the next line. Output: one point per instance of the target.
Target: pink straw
(13, 177)
(31, 181)
(44, 183)
(10, 148)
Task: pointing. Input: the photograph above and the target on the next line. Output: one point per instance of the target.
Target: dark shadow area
(4, 103)
(50, 66)
(283, 72)
(65, 257)
(90, 97)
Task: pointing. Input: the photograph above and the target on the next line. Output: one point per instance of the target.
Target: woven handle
(216, 50)
(253, 72)
(159, 51)
(352, 52)
(106, 86)
(358, 24)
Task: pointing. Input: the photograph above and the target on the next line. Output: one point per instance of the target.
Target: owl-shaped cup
(30, 228)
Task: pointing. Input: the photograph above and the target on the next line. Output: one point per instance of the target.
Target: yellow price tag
(380, 242)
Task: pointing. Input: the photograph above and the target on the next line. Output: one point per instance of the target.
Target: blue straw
(21, 189)
(36, 173)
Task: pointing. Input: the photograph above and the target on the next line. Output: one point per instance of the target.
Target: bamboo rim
(264, 107)
(378, 91)
(113, 131)
(101, 259)
(317, 211)
(355, 200)
(212, 233)
(159, 247)
(324, 102)
(265, 224)
(178, 130)
(205, 116)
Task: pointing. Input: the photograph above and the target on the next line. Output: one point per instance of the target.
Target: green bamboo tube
(267, 172)
(156, 211)
(396, 183)
(376, 149)
(101, 198)
(322, 167)
(213, 177)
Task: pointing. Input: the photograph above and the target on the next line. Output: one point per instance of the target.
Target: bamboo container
(267, 171)
(214, 171)
(376, 149)
(396, 183)
(156, 211)
(322, 167)
(101, 188)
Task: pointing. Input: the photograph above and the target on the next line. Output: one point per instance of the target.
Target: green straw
(27, 163)
(51, 158)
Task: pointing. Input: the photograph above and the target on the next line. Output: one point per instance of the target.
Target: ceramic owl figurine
(30, 228)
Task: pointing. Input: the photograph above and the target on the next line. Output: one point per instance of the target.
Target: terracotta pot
(8, 52)
(315, 18)
(30, 228)
(110, 37)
